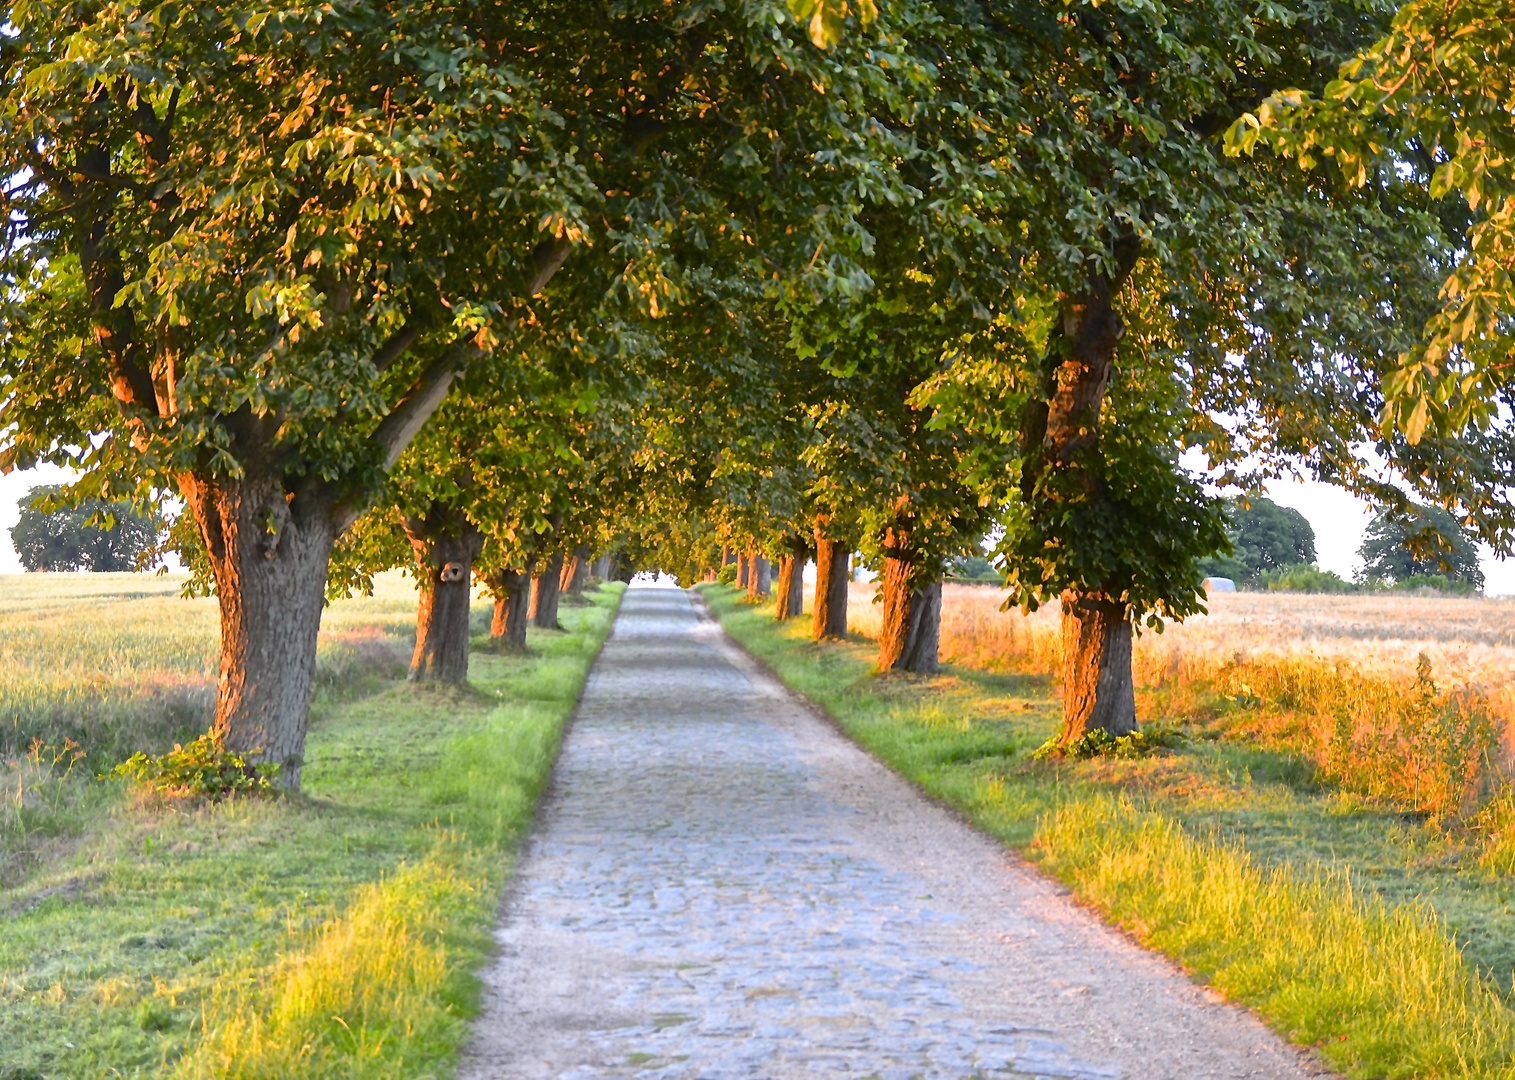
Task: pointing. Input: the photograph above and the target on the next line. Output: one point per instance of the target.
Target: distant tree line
(1273, 547)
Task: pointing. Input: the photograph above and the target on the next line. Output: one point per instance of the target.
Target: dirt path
(723, 886)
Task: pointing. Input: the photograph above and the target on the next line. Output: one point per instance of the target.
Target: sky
(1338, 518)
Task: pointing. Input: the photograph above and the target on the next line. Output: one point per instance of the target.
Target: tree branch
(549, 257)
(424, 397)
(398, 342)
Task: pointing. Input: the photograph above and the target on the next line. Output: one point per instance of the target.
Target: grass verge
(334, 933)
(1365, 933)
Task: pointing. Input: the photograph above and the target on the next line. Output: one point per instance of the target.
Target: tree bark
(831, 579)
(791, 588)
(545, 595)
(576, 573)
(511, 590)
(759, 580)
(912, 620)
(1097, 686)
(445, 544)
(1098, 691)
(741, 570)
(601, 568)
(268, 554)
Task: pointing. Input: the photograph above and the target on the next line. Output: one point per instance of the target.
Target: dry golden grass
(1338, 679)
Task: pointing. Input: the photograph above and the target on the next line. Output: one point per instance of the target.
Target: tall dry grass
(1405, 698)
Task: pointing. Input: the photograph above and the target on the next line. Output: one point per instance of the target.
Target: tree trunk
(758, 576)
(831, 579)
(741, 570)
(268, 554)
(445, 544)
(1097, 685)
(1098, 691)
(727, 556)
(912, 621)
(576, 573)
(601, 568)
(791, 588)
(545, 595)
(512, 600)
(912, 613)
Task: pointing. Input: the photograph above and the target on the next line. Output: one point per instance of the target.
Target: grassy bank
(1383, 938)
(329, 934)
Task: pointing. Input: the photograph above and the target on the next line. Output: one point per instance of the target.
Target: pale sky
(1339, 521)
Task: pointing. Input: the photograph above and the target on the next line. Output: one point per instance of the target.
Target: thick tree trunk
(576, 573)
(912, 621)
(512, 601)
(759, 576)
(545, 595)
(601, 568)
(1098, 691)
(791, 588)
(742, 570)
(1096, 630)
(445, 544)
(268, 555)
(831, 579)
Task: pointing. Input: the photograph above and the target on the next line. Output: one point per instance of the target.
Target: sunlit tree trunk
(832, 558)
(268, 554)
(511, 590)
(912, 615)
(576, 573)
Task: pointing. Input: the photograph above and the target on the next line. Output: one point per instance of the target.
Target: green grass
(333, 933)
(1382, 939)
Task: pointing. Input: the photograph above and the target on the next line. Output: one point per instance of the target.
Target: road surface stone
(722, 886)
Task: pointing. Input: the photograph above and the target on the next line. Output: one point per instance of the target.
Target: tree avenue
(288, 229)
(494, 290)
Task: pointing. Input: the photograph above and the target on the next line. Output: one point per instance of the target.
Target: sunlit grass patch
(1382, 991)
(329, 933)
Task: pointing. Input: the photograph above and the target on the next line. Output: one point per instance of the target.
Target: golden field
(1403, 697)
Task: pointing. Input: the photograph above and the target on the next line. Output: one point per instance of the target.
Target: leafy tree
(1265, 538)
(1424, 542)
(1165, 296)
(92, 535)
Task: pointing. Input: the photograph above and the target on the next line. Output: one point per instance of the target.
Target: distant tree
(1266, 536)
(77, 538)
(1426, 541)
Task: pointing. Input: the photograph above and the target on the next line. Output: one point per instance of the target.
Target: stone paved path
(721, 885)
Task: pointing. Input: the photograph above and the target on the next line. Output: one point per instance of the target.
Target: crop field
(1326, 832)
(332, 932)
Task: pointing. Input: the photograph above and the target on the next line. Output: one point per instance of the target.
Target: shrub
(203, 768)
(726, 575)
(1305, 578)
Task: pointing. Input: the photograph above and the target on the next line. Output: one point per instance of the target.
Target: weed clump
(202, 769)
(1100, 743)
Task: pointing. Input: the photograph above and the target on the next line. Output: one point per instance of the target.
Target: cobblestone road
(723, 886)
